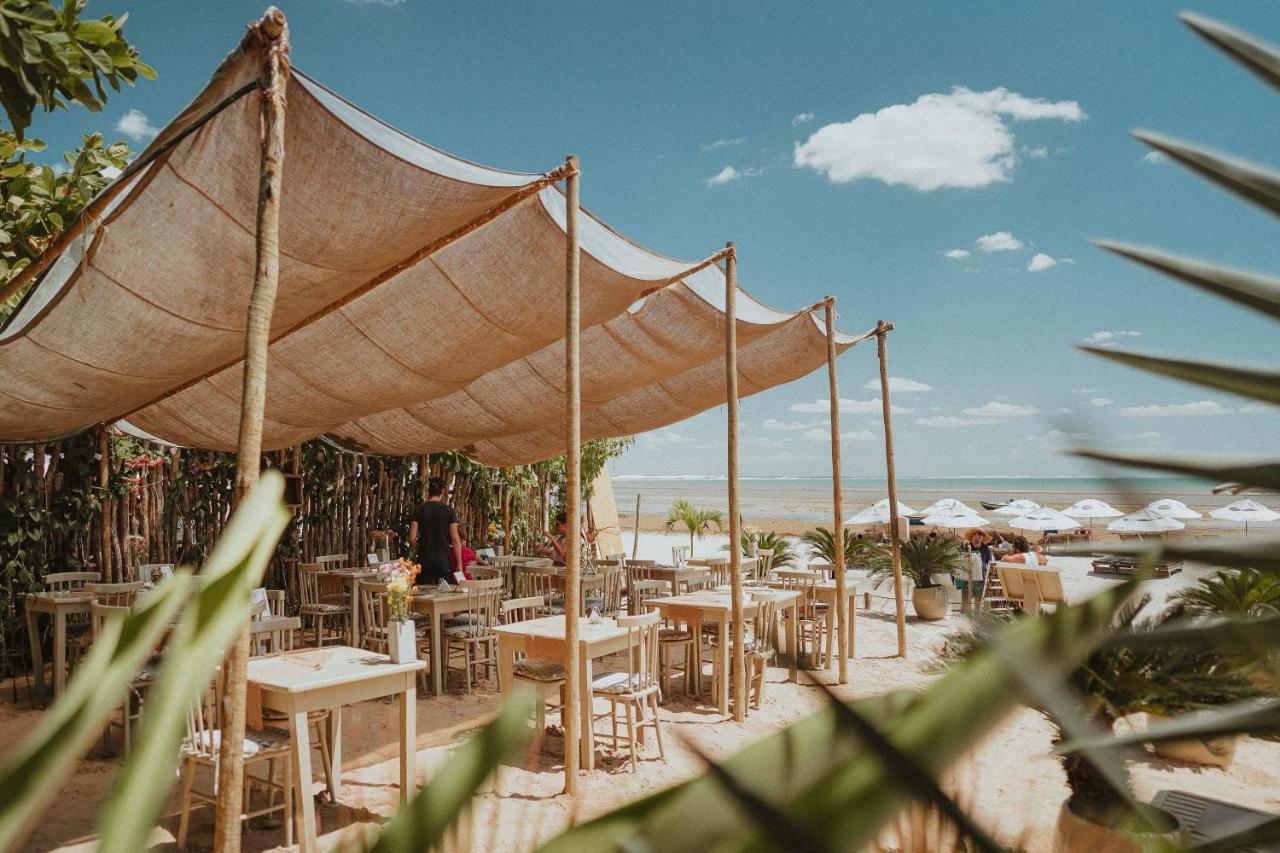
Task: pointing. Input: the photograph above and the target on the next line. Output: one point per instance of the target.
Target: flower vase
(384, 554)
(402, 643)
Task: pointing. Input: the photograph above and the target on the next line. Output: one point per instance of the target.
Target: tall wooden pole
(635, 539)
(837, 495)
(104, 483)
(506, 514)
(735, 519)
(572, 487)
(269, 39)
(900, 614)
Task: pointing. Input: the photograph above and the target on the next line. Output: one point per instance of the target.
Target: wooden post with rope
(735, 520)
(572, 486)
(837, 494)
(895, 539)
(268, 39)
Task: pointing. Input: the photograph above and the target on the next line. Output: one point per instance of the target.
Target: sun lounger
(1204, 820)
(1031, 586)
(1126, 566)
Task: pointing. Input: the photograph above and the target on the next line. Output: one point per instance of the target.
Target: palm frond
(1259, 57)
(1250, 181)
(1259, 292)
(1257, 383)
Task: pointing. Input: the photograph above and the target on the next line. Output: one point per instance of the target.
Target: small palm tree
(784, 555)
(822, 545)
(697, 520)
(922, 558)
(1246, 592)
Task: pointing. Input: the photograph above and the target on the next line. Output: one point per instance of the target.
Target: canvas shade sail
(420, 305)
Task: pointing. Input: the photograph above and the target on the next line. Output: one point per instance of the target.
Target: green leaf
(1262, 475)
(1262, 293)
(1253, 382)
(95, 32)
(1258, 184)
(1252, 716)
(1254, 54)
(145, 70)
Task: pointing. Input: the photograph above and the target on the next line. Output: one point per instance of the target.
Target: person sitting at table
(558, 542)
(1026, 553)
(469, 556)
(434, 530)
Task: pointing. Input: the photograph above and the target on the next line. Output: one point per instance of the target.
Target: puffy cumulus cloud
(1175, 410)
(1000, 241)
(956, 254)
(1100, 402)
(953, 421)
(135, 125)
(1106, 337)
(730, 174)
(801, 118)
(899, 385)
(847, 407)
(958, 139)
(784, 426)
(997, 409)
(1040, 262)
(852, 435)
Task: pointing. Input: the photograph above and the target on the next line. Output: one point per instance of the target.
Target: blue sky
(823, 115)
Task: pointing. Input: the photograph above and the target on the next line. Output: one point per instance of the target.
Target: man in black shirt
(434, 530)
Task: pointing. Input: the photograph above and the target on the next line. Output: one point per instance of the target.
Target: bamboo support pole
(837, 496)
(900, 614)
(104, 483)
(735, 519)
(635, 539)
(271, 38)
(572, 486)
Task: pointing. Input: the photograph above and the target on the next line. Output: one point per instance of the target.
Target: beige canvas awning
(420, 305)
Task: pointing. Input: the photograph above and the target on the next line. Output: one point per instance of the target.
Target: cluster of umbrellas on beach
(1159, 516)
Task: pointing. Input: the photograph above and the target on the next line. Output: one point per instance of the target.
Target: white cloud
(1057, 436)
(952, 421)
(959, 139)
(784, 426)
(853, 435)
(1000, 241)
(801, 118)
(1040, 262)
(847, 407)
(663, 437)
(1064, 411)
(1155, 157)
(135, 125)
(1200, 407)
(899, 385)
(729, 174)
(1100, 402)
(996, 409)
(722, 143)
(1107, 338)
(1038, 153)
(956, 254)
(1258, 409)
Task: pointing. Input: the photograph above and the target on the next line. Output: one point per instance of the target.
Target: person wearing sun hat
(979, 542)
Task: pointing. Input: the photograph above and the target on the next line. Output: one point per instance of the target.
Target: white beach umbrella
(949, 505)
(1044, 518)
(1092, 508)
(955, 518)
(1170, 508)
(1021, 506)
(878, 513)
(1145, 521)
(1245, 510)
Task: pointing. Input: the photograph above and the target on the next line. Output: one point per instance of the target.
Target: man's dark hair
(435, 487)
(561, 517)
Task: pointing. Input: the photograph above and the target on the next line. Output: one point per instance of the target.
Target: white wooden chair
(544, 677)
(320, 613)
(635, 690)
(475, 642)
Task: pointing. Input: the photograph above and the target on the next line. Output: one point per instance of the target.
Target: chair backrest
(276, 602)
(639, 569)
(66, 581)
(309, 583)
(484, 605)
(679, 554)
(332, 560)
(611, 589)
(762, 624)
(695, 581)
(536, 562)
(1010, 575)
(520, 609)
(115, 594)
(99, 613)
(373, 607)
(1050, 583)
(642, 643)
(202, 724)
(803, 581)
(828, 570)
(536, 581)
(482, 573)
(764, 565)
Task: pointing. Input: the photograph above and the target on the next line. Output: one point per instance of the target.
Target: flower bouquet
(401, 643)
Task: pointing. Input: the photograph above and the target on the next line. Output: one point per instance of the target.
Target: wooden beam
(735, 519)
(837, 494)
(895, 544)
(272, 43)
(572, 486)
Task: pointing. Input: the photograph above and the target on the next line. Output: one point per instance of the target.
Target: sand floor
(1010, 782)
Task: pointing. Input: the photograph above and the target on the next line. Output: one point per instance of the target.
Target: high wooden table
(544, 639)
(57, 606)
(294, 683)
(351, 578)
(716, 607)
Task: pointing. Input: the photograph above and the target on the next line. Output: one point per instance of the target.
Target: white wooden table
(716, 607)
(294, 683)
(544, 639)
(57, 606)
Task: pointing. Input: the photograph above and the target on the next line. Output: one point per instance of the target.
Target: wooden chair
(811, 615)
(635, 690)
(764, 565)
(200, 748)
(115, 594)
(641, 585)
(69, 581)
(546, 678)
(760, 649)
(539, 582)
(276, 602)
(332, 590)
(131, 709)
(475, 642)
(320, 613)
(373, 616)
(719, 567)
(679, 554)
(697, 582)
(609, 600)
(680, 647)
(1010, 592)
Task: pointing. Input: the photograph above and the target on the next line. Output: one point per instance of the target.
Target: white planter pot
(402, 644)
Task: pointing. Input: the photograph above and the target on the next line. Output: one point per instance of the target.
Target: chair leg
(631, 734)
(326, 759)
(289, 816)
(657, 729)
(189, 778)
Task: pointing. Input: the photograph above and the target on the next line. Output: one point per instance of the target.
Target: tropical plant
(697, 520)
(922, 557)
(1231, 592)
(822, 545)
(767, 542)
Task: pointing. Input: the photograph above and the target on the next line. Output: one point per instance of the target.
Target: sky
(942, 166)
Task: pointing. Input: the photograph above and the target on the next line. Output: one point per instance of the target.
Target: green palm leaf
(1261, 475)
(1258, 184)
(1254, 382)
(1262, 293)
(1254, 54)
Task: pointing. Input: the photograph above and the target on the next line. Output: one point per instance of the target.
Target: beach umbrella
(1021, 506)
(1092, 508)
(1044, 518)
(951, 505)
(955, 518)
(1170, 508)
(878, 513)
(1245, 510)
(1145, 521)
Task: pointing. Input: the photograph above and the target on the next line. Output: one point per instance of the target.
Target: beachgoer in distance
(1026, 553)
(434, 530)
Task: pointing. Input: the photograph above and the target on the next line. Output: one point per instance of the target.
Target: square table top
(70, 596)
(552, 627)
(314, 669)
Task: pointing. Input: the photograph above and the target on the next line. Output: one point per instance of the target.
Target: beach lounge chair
(1203, 820)
(1030, 587)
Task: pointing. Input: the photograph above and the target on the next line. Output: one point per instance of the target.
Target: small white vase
(401, 643)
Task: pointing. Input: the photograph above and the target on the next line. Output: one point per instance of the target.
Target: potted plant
(822, 546)
(402, 644)
(921, 559)
(381, 540)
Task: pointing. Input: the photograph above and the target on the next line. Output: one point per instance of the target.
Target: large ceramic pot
(1073, 833)
(931, 602)
(1210, 752)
